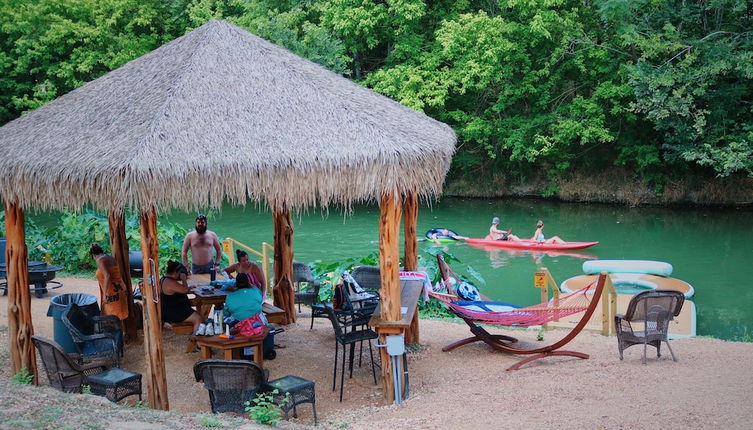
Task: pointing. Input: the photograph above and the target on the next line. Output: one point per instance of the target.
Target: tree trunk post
(119, 247)
(410, 258)
(20, 328)
(283, 294)
(155, 358)
(389, 262)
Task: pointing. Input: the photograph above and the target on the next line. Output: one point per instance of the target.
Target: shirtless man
(497, 234)
(200, 242)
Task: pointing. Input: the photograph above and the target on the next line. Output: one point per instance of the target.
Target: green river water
(709, 248)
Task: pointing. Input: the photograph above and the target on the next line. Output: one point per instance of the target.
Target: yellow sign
(539, 280)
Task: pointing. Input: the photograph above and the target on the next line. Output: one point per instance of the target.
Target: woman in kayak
(538, 235)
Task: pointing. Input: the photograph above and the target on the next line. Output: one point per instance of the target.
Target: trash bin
(58, 305)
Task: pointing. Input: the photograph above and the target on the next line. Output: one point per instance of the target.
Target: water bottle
(212, 274)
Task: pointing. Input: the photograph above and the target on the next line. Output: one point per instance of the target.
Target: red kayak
(531, 244)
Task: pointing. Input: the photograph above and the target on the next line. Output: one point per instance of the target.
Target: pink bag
(246, 326)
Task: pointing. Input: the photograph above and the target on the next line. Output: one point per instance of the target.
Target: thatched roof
(220, 114)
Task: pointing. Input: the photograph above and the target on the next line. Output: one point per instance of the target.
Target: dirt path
(710, 387)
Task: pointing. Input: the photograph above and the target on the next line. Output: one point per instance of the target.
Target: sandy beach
(709, 387)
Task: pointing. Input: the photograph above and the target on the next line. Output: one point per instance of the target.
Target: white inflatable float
(646, 267)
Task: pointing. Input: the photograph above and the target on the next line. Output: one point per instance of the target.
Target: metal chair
(652, 310)
(302, 273)
(97, 337)
(65, 371)
(230, 383)
(368, 278)
(348, 338)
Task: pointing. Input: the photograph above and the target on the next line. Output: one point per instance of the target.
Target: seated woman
(250, 268)
(244, 303)
(538, 235)
(173, 296)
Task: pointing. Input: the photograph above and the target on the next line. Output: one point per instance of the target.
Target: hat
(201, 216)
(495, 220)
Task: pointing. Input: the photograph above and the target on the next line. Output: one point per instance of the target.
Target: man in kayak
(497, 234)
(436, 234)
(538, 235)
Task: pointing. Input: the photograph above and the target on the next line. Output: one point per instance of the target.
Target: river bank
(466, 388)
(616, 186)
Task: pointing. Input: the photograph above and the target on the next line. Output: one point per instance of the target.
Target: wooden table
(232, 347)
(409, 293)
(206, 296)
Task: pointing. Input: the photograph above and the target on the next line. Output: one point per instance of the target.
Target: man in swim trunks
(497, 234)
(201, 242)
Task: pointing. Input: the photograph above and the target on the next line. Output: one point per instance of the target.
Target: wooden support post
(155, 358)
(410, 255)
(284, 296)
(608, 306)
(119, 247)
(410, 219)
(389, 262)
(20, 328)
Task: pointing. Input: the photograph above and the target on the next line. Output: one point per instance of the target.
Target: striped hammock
(554, 309)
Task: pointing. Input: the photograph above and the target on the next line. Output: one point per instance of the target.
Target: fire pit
(41, 275)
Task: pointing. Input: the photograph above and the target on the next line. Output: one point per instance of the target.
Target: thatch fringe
(220, 115)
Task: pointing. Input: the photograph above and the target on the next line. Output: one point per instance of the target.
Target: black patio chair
(652, 311)
(302, 273)
(348, 338)
(97, 337)
(66, 372)
(368, 278)
(230, 383)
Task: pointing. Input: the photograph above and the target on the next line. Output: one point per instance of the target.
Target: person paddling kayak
(497, 234)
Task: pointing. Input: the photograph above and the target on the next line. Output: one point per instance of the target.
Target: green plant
(22, 377)
(86, 389)
(540, 335)
(209, 421)
(330, 273)
(265, 410)
(140, 404)
(68, 241)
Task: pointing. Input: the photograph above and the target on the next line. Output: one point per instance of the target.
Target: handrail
(543, 279)
(227, 248)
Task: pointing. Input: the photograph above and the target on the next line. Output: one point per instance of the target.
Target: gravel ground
(710, 387)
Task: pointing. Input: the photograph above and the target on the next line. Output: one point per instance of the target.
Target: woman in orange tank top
(111, 287)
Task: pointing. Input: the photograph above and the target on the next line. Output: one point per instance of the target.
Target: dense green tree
(662, 87)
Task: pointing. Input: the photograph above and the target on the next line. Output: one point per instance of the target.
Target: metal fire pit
(41, 277)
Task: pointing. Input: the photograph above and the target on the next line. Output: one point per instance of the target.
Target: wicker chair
(64, 371)
(652, 310)
(96, 337)
(231, 383)
(348, 338)
(368, 278)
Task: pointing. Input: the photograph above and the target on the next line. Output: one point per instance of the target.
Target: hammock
(539, 314)
(554, 309)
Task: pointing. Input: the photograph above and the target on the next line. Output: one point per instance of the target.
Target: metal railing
(264, 254)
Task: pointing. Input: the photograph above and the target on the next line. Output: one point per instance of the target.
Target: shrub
(265, 410)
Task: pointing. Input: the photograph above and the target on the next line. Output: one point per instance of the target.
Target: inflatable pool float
(646, 267)
(631, 283)
(531, 244)
(442, 238)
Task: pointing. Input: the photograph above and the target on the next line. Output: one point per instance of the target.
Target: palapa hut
(217, 115)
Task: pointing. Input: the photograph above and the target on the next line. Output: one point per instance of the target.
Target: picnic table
(205, 296)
